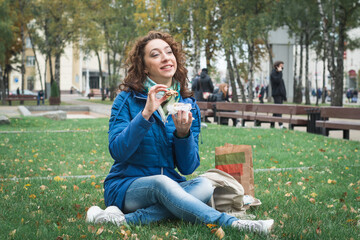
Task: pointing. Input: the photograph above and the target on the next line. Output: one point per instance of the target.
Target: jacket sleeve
(187, 149)
(125, 134)
(211, 85)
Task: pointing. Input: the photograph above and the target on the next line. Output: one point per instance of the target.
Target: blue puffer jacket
(143, 147)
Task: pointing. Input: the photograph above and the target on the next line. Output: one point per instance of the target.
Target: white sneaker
(260, 226)
(92, 213)
(111, 214)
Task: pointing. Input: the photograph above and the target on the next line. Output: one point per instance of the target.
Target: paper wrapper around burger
(236, 160)
(174, 108)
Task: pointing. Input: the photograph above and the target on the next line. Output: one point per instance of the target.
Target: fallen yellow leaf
(33, 196)
(313, 194)
(12, 233)
(58, 179)
(100, 230)
(220, 233)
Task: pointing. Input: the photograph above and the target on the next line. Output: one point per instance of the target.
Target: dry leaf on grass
(100, 230)
(91, 229)
(219, 232)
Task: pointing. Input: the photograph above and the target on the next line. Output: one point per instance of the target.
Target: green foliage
(6, 36)
(55, 92)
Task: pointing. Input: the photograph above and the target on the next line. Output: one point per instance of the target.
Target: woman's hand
(182, 121)
(152, 102)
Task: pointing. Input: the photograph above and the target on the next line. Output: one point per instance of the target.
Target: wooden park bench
(263, 113)
(339, 124)
(94, 92)
(206, 109)
(20, 97)
(234, 111)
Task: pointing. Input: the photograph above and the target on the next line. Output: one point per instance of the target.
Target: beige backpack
(228, 193)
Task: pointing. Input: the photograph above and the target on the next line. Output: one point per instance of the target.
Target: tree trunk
(208, 56)
(46, 60)
(50, 68)
(330, 45)
(299, 86)
(323, 96)
(295, 71)
(113, 80)
(307, 81)
(22, 35)
(251, 71)
(36, 59)
(316, 83)
(269, 49)
(230, 69)
(3, 88)
(57, 71)
(103, 97)
(238, 79)
(197, 55)
(337, 98)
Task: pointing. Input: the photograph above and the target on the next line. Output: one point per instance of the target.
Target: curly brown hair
(136, 76)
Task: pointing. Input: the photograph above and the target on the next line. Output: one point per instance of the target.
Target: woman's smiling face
(160, 62)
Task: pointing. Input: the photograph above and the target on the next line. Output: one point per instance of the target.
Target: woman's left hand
(182, 122)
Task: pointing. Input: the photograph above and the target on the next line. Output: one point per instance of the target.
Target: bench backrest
(95, 91)
(205, 105)
(302, 110)
(274, 108)
(231, 106)
(340, 112)
(15, 97)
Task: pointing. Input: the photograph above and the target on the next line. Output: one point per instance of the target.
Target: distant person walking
(278, 87)
(194, 82)
(262, 93)
(204, 85)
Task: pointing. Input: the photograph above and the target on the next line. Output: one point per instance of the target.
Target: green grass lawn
(45, 202)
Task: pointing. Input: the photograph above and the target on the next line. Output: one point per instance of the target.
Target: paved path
(103, 110)
(99, 108)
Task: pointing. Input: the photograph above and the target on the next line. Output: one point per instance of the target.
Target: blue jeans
(154, 198)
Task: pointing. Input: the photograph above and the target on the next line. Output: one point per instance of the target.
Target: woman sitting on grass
(147, 145)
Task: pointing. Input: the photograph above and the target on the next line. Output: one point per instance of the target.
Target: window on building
(30, 61)
(30, 83)
(28, 43)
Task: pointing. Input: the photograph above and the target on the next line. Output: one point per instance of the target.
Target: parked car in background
(26, 92)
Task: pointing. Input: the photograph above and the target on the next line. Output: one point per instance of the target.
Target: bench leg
(257, 123)
(346, 134)
(272, 125)
(325, 131)
(291, 126)
(242, 122)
